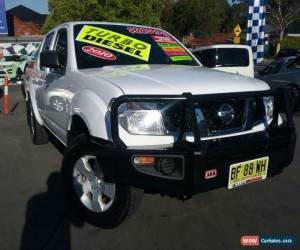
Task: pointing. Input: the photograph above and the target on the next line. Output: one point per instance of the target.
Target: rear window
(98, 45)
(223, 57)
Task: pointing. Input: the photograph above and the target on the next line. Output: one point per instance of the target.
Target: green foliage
(198, 16)
(167, 15)
(288, 43)
(236, 14)
(146, 12)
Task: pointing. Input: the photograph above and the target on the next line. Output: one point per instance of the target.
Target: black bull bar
(278, 141)
(283, 105)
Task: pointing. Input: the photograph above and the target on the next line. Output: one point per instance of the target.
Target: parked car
(2, 74)
(283, 53)
(278, 65)
(14, 66)
(227, 57)
(282, 74)
(143, 115)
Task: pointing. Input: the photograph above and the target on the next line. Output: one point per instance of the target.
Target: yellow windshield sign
(114, 41)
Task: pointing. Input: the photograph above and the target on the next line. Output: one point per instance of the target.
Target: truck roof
(217, 46)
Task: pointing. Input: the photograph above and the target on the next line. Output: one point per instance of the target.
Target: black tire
(23, 89)
(126, 199)
(38, 133)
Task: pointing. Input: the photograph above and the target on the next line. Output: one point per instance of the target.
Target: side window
(47, 44)
(61, 48)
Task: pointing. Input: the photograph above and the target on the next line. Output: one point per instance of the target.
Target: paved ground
(33, 214)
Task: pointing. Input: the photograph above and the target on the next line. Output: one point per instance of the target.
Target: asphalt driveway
(34, 214)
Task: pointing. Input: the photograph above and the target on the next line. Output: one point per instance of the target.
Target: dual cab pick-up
(138, 113)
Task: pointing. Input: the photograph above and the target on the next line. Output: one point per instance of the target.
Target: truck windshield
(98, 45)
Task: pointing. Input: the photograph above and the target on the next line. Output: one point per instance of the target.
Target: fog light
(143, 160)
(166, 166)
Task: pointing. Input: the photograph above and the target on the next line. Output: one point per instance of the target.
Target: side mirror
(49, 59)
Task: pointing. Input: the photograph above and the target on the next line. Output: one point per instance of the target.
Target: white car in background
(230, 58)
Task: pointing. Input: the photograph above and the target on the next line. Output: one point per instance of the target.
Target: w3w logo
(248, 241)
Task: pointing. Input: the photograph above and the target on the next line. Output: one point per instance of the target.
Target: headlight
(141, 118)
(269, 108)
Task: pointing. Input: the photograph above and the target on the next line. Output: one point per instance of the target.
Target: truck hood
(173, 80)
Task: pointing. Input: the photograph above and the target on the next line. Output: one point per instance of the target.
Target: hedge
(288, 42)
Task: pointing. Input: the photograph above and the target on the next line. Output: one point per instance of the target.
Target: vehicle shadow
(48, 221)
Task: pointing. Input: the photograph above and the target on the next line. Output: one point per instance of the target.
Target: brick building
(205, 40)
(22, 21)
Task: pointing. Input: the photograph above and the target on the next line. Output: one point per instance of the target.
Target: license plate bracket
(248, 172)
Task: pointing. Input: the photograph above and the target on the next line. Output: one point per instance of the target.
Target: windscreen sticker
(162, 39)
(181, 58)
(147, 31)
(114, 41)
(171, 45)
(174, 51)
(99, 53)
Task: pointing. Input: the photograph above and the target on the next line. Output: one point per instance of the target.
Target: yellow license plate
(247, 172)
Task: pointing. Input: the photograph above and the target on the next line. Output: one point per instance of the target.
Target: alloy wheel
(94, 193)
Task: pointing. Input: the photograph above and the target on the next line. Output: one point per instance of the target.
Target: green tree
(146, 12)
(212, 15)
(167, 16)
(61, 11)
(197, 16)
(236, 14)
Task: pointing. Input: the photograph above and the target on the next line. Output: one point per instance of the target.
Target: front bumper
(277, 142)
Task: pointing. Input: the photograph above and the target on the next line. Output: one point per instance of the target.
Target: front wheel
(97, 200)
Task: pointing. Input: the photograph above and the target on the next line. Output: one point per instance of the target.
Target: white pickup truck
(138, 113)
(231, 58)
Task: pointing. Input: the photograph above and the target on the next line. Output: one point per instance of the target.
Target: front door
(38, 76)
(57, 94)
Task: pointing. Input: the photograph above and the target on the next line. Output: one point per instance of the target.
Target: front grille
(215, 118)
(229, 116)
